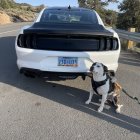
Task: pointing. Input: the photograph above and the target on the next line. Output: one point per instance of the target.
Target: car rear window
(69, 16)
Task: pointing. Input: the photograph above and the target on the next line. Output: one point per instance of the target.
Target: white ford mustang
(64, 42)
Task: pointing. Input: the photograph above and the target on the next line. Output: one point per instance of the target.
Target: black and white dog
(104, 85)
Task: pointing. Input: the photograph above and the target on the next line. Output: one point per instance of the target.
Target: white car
(64, 42)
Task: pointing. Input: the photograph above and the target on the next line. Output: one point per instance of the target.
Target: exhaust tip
(29, 75)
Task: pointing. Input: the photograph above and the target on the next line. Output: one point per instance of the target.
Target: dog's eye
(98, 66)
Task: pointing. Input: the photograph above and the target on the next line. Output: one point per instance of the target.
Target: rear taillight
(102, 44)
(27, 41)
(115, 44)
(107, 44)
(20, 40)
(33, 41)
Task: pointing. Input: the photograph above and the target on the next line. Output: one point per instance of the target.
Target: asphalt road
(33, 109)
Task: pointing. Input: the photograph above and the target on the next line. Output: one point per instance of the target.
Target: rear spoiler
(68, 29)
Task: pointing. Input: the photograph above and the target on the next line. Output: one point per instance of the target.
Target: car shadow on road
(65, 95)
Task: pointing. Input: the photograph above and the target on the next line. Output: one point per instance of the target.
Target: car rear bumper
(48, 60)
(52, 75)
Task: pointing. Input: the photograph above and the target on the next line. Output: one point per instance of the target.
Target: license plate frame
(68, 61)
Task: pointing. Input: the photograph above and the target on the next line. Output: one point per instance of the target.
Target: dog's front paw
(87, 102)
(100, 109)
(118, 110)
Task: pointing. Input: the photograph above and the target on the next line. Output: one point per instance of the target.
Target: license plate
(68, 61)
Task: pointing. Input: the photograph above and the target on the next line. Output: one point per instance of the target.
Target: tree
(108, 16)
(82, 3)
(94, 4)
(111, 17)
(129, 15)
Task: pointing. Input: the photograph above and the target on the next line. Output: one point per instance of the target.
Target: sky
(112, 6)
(50, 2)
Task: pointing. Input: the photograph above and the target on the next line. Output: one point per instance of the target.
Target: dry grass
(20, 15)
(4, 18)
(10, 11)
(16, 15)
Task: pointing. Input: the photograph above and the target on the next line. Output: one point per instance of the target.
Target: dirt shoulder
(14, 15)
(4, 18)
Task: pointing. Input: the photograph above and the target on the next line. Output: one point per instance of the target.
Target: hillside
(10, 11)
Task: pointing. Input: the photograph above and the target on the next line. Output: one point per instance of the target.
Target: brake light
(20, 40)
(115, 44)
(107, 44)
(26, 41)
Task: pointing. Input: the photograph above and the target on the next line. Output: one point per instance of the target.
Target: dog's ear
(91, 68)
(105, 69)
